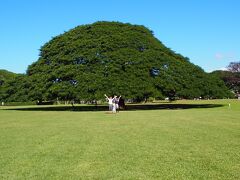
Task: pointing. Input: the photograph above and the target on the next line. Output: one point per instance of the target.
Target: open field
(184, 140)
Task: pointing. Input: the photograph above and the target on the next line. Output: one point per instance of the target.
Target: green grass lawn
(191, 143)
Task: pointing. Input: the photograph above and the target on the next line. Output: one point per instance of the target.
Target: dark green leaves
(113, 58)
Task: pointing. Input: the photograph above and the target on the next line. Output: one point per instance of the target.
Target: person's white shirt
(110, 101)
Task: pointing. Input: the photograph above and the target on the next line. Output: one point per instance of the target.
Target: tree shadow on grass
(130, 107)
(171, 106)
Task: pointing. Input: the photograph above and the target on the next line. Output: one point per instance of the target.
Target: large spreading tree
(116, 58)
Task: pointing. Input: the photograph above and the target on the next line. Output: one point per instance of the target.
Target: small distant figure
(121, 103)
(110, 102)
(114, 108)
(2, 103)
(116, 103)
(229, 106)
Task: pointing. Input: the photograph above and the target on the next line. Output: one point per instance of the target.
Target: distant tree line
(231, 77)
(110, 58)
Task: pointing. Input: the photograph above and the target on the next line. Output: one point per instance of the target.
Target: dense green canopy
(13, 86)
(231, 80)
(6, 75)
(116, 58)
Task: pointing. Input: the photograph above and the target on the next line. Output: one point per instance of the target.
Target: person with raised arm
(110, 102)
(116, 100)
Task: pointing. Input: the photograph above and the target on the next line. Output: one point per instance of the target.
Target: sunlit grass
(195, 143)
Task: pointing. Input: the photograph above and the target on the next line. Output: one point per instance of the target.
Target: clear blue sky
(206, 31)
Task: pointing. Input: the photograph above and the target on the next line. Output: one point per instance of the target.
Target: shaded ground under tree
(129, 107)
